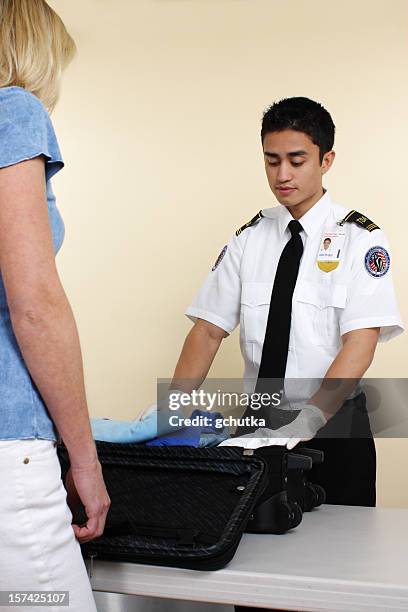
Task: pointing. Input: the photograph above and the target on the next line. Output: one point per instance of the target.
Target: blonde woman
(41, 379)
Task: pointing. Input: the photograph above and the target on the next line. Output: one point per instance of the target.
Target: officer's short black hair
(329, 239)
(303, 115)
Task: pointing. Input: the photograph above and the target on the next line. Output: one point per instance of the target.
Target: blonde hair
(35, 47)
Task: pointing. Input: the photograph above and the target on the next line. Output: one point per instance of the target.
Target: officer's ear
(327, 162)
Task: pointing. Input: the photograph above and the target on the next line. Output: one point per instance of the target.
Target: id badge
(330, 249)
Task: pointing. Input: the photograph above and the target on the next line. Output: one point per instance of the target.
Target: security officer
(306, 312)
(310, 284)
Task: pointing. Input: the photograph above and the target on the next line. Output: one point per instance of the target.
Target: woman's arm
(41, 316)
(40, 313)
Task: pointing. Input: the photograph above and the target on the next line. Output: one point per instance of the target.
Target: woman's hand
(85, 483)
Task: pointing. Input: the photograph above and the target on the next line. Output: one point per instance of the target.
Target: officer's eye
(297, 164)
(272, 163)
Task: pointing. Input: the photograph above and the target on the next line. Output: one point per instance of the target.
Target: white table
(340, 558)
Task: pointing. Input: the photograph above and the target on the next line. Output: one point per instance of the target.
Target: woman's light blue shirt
(26, 132)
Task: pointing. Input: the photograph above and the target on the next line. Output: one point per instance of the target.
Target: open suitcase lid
(176, 506)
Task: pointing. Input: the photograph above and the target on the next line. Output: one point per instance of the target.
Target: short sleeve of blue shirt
(26, 131)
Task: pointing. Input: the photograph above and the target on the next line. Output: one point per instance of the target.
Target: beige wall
(159, 126)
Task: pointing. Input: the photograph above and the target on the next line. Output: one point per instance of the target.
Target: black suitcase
(176, 506)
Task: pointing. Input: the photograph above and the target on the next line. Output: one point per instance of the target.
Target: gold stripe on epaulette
(372, 226)
(347, 217)
(356, 217)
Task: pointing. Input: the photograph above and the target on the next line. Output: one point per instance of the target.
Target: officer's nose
(284, 173)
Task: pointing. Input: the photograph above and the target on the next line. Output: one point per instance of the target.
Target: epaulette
(251, 222)
(356, 217)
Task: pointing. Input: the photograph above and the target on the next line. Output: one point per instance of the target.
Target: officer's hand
(306, 425)
(173, 402)
(309, 420)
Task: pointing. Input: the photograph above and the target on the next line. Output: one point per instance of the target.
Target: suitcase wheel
(298, 514)
(289, 515)
(311, 497)
(321, 494)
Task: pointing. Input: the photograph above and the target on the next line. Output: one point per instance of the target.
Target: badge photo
(377, 261)
(330, 250)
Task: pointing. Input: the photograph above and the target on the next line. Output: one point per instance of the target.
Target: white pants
(38, 548)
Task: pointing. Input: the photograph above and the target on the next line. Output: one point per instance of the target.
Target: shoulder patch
(220, 258)
(356, 217)
(251, 222)
(377, 261)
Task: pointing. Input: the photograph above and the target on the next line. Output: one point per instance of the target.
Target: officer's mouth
(285, 190)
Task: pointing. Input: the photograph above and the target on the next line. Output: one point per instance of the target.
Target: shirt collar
(311, 221)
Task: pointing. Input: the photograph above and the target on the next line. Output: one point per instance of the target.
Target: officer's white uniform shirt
(325, 304)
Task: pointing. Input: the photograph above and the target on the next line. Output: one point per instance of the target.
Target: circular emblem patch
(220, 258)
(377, 261)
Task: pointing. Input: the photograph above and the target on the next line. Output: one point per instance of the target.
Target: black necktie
(276, 343)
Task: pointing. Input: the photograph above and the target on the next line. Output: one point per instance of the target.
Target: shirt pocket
(255, 301)
(317, 311)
